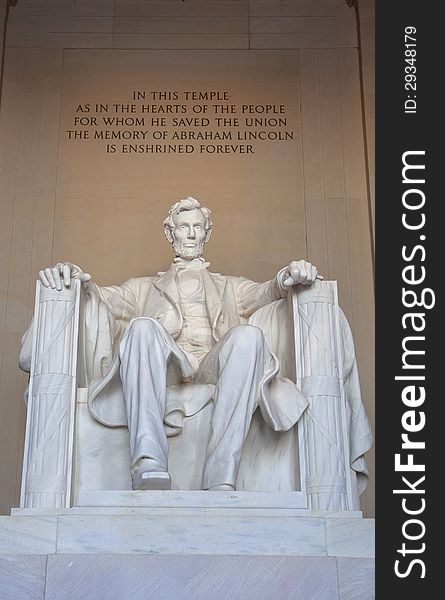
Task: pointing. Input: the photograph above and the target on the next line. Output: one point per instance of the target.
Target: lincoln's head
(188, 228)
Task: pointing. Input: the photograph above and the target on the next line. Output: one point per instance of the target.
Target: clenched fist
(299, 272)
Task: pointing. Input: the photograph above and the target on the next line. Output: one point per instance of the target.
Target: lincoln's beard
(188, 252)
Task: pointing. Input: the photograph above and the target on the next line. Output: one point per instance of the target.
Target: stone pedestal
(82, 533)
(186, 545)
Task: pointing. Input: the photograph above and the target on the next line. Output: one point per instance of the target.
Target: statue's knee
(146, 328)
(247, 336)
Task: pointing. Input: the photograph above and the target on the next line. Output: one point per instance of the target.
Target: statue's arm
(252, 296)
(120, 301)
(106, 314)
(107, 311)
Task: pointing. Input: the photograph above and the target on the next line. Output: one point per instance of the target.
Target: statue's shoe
(151, 480)
(223, 487)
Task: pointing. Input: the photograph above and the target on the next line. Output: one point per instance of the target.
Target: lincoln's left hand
(299, 271)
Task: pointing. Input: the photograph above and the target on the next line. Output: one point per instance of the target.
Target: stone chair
(70, 459)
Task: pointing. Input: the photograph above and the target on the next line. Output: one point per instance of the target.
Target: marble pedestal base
(123, 577)
(179, 552)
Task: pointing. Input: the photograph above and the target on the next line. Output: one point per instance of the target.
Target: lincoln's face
(189, 234)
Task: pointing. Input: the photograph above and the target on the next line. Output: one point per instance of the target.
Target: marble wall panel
(366, 12)
(22, 182)
(138, 189)
(22, 577)
(356, 578)
(62, 8)
(339, 252)
(27, 535)
(32, 30)
(178, 534)
(350, 537)
(178, 25)
(292, 8)
(191, 578)
(178, 8)
(278, 41)
(183, 41)
(292, 24)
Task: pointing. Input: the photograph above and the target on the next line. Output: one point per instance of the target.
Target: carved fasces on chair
(46, 481)
(326, 476)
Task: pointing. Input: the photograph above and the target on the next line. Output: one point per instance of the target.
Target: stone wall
(331, 206)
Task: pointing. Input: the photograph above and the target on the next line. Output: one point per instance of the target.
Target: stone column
(3, 20)
(47, 467)
(4, 9)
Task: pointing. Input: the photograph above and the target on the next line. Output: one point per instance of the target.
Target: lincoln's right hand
(61, 275)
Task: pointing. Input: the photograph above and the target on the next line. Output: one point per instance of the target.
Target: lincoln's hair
(188, 203)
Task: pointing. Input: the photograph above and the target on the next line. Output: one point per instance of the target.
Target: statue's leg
(236, 365)
(144, 355)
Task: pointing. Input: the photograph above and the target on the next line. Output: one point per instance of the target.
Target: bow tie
(196, 263)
